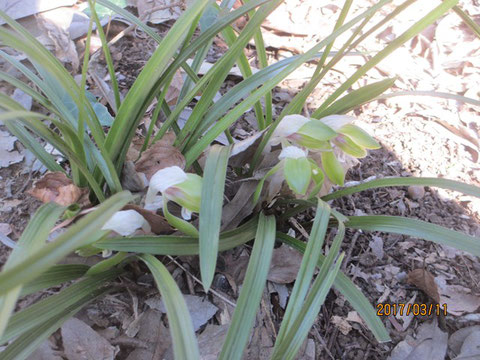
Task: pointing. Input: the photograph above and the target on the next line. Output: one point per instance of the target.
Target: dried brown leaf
(63, 46)
(57, 187)
(131, 179)
(45, 352)
(174, 90)
(342, 324)
(425, 281)
(470, 348)
(153, 333)
(159, 156)
(458, 338)
(81, 342)
(429, 344)
(285, 265)
(458, 299)
(8, 154)
(157, 222)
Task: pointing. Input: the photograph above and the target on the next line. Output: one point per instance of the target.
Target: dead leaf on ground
(241, 205)
(470, 349)
(342, 324)
(261, 345)
(429, 344)
(458, 299)
(58, 40)
(159, 156)
(244, 150)
(131, 179)
(458, 338)
(157, 222)
(376, 244)
(158, 11)
(18, 9)
(45, 352)
(174, 89)
(211, 341)
(285, 265)
(200, 308)
(154, 334)
(57, 187)
(5, 229)
(425, 281)
(8, 154)
(81, 342)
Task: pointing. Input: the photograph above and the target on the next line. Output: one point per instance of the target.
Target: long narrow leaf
(56, 275)
(142, 91)
(181, 328)
(406, 181)
(400, 40)
(41, 311)
(233, 115)
(299, 328)
(307, 268)
(358, 97)
(416, 228)
(439, 94)
(252, 289)
(348, 289)
(216, 75)
(299, 331)
(211, 210)
(177, 245)
(84, 232)
(32, 239)
(25, 344)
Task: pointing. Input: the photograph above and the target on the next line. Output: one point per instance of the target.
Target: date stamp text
(387, 309)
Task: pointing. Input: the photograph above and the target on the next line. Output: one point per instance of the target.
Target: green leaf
(211, 210)
(252, 289)
(49, 307)
(406, 181)
(85, 232)
(317, 130)
(359, 136)
(349, 147)
(25, 344)
(415, 29)
(333, 168)
(416, 228)
(106, 52)
(288, 348)
(177, 245)
(298, 174)
(144, 88)
(180, 324)
(258, 190)
(216, 75)
(56, 275)
(348, 289)
(468, 20)
(107, 264)
(176, 222)
(32, 239)
(307, 268)
(298, 330)
(356, 98)
(223, 124)
(439, 94)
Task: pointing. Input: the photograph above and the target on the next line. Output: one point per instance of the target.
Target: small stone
(416, 192)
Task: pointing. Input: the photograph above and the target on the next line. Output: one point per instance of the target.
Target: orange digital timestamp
(386, 309)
